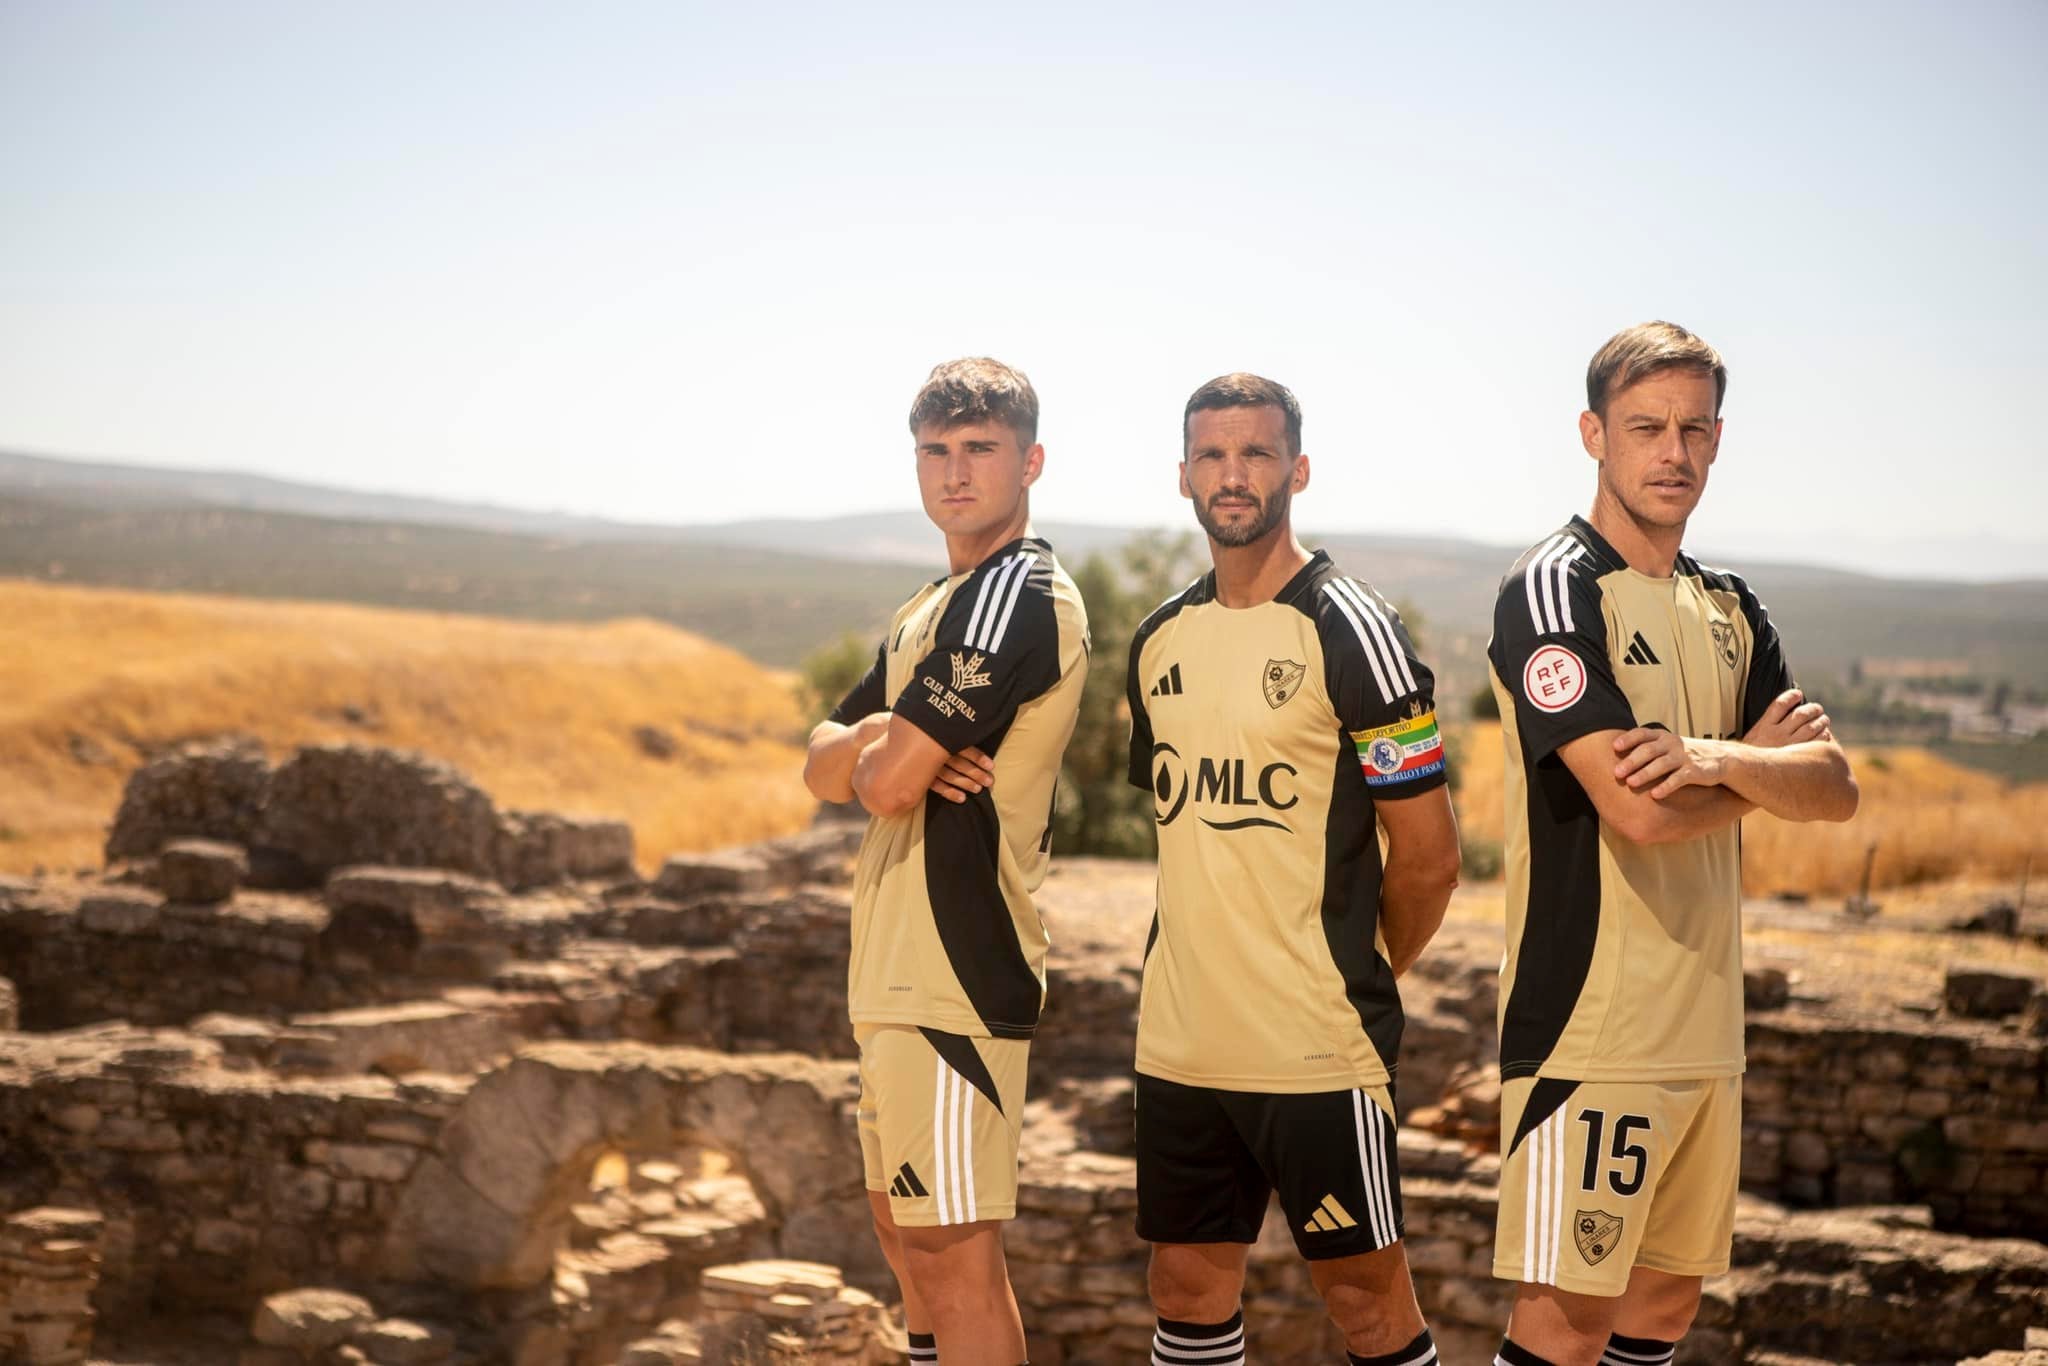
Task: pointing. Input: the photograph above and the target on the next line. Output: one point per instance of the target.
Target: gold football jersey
(1624, 961)
(1266, 735)
(945, 932)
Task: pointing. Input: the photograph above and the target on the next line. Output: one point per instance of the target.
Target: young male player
(952, 742)
(1646, 706)
(1278, 715)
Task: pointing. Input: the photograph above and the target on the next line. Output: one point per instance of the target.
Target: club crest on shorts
(1596, 1232)
(1281, 680)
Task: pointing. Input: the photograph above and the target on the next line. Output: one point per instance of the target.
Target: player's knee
(1191, 1290)
(1355, 1310)
(1666, 1318)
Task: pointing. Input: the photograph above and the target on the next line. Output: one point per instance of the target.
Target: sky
(689, 263)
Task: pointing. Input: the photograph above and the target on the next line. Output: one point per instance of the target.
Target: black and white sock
(924, 1349)
(1514, 1354)
(1625, 1351)
(1199, 1344)
(1421, 1352)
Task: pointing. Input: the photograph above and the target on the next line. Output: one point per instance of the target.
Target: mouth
(1232, 505)
(1671, 485)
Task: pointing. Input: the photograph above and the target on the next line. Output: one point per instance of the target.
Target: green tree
(1099, 811)
(829, 672)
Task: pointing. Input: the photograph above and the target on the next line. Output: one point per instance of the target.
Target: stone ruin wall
(244, 1146)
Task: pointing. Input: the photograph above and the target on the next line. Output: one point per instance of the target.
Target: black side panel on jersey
(870, 695)
(1139, 765)
(973, 920)
(1545, 1098)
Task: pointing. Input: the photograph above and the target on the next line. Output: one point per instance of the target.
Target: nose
(957, 469)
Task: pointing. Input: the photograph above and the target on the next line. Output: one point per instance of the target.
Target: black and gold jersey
(1624, 961)
(945, 933)
(1265, 735)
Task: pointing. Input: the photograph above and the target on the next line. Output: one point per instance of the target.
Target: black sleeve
(997, 647)
(1140, 766)
(1550, 649)
(1384, 695)
(1770, 673)
(870, 695)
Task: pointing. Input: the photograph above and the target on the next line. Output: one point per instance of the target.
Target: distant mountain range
(776, 588)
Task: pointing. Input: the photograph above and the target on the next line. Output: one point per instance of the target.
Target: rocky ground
(445, 1083)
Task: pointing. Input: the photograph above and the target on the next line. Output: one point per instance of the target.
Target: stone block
(201, 871)
(311, 1320)
(402, 1342)
(688, 875)
(120, 910)
(1985, 993)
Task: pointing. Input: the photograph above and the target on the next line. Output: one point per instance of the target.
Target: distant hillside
(775, 588)
(692, 743)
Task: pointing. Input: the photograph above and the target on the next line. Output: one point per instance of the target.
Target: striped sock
(1514, 1354)
(1199, 1344)
(924, 1349)
(1624, 1351)
(1421, 1352)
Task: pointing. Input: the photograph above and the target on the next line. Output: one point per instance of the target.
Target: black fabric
(1351, 909)
(961, 1055)
(1562, 923)
(1399, 1357)
(1770, 673)
(963, 878)
(870, 695)
(1139, 766)
(1208, 1159)
(1545, 1098)
(1514, 1354)
(1198, 1344)
(1573, 624)
(1354, 665)
(1627, 1351)
(996, 648)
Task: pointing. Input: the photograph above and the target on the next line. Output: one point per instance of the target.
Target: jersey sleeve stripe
(1390, 638)
(987, 601)
(1017, 581)
(1382, 634)
(1564, 596)
(1371, 655)
(1530, 577)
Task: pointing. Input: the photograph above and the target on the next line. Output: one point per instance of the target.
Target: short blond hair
(1641, 351)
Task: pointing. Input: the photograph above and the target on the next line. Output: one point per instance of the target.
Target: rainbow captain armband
(1409, 749)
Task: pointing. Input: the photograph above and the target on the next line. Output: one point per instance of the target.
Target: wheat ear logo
(968, 673)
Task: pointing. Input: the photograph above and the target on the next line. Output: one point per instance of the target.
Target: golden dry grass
(541, 715)
(1930, 819)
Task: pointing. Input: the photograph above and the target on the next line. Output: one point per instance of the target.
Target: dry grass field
(1931, 821)
(542, 716)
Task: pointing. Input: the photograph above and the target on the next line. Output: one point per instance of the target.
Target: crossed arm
(1655, 787)
(888, 763)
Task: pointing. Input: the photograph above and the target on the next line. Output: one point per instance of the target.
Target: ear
(1185, 490)
(1034, 464)
(1300, 479)
(1593, 435)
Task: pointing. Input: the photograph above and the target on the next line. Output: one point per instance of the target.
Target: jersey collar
(1304, 581)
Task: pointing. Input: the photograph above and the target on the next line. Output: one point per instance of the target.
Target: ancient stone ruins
(337, 1062)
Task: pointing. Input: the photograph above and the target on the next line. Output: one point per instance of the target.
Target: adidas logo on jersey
(1168, 684)
(1639, 652)
(906, 1186)
(1329, 1217)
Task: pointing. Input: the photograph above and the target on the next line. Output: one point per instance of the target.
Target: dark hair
(1641, 351)
(977, 389)
(1243, 390)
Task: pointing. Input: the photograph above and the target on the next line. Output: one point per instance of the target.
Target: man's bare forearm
(1803, 782)
(1413, 895)
(834, 750)
(1686, 814)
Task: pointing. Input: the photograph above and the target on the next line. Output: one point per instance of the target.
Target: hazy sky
(682, 262)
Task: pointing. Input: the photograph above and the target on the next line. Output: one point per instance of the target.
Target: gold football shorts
(1601, 1177)
(939, 1119)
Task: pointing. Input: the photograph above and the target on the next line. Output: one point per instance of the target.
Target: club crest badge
(1596, 1232)
(1724, 640)
(1281, 680)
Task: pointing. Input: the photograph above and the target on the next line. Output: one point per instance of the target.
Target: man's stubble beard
(1272, 512)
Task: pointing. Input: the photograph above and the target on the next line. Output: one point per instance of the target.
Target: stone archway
(489, 1208)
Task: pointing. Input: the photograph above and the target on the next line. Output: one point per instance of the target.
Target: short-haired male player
(952, 742)
(1646, 706)
(1278, 715)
